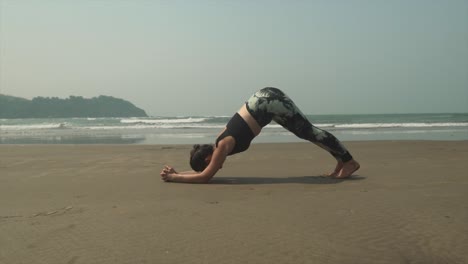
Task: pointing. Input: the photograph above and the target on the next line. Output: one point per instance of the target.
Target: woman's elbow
(203, 181)
(205, 178)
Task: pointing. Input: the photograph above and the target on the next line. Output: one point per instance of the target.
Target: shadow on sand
(269, 180)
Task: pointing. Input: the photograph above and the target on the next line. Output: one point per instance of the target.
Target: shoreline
(107, 204)
(267, 136)
(299, 141)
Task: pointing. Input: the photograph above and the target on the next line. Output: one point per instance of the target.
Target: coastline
(204, 129)
(106, 204)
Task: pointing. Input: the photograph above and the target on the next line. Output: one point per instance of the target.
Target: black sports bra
(240, 131)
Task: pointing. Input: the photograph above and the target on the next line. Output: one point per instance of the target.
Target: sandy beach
(107, 204)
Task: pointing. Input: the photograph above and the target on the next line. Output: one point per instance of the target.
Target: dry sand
(107, 204)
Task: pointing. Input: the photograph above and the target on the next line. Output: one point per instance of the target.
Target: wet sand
(107, 204)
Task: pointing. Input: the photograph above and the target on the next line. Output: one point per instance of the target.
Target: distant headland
(74, 106)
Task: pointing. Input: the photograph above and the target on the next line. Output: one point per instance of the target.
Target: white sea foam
(32, 126)
(148, 126)
(403, 125)
(163, 121)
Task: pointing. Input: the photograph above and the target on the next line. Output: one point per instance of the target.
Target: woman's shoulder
(226, 144)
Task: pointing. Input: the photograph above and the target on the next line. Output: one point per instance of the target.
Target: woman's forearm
(186, 172)
(188, 177)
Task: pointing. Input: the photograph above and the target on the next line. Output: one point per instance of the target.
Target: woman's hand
(169, 169)
(166, 173)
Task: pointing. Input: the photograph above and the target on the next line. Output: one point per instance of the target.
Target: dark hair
(198, 155)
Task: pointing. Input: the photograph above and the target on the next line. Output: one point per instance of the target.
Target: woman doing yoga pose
(264, 106)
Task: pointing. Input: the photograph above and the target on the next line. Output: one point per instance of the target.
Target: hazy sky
(207, 57)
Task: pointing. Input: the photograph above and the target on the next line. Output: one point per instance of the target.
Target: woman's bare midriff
(248, 118)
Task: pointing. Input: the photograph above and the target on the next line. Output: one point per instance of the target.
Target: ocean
(204, 129)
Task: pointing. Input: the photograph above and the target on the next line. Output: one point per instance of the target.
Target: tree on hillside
(74, 106)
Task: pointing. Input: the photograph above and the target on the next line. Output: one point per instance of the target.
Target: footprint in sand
(55, 212)
(73, 260)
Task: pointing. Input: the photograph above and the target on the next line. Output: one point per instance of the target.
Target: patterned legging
(272, 104)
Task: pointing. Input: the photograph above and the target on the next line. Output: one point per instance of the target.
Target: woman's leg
(272, 103)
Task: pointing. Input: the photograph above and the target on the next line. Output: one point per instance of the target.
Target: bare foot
(348, 169)
(337, 170)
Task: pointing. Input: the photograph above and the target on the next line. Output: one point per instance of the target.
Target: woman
(265, 105)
